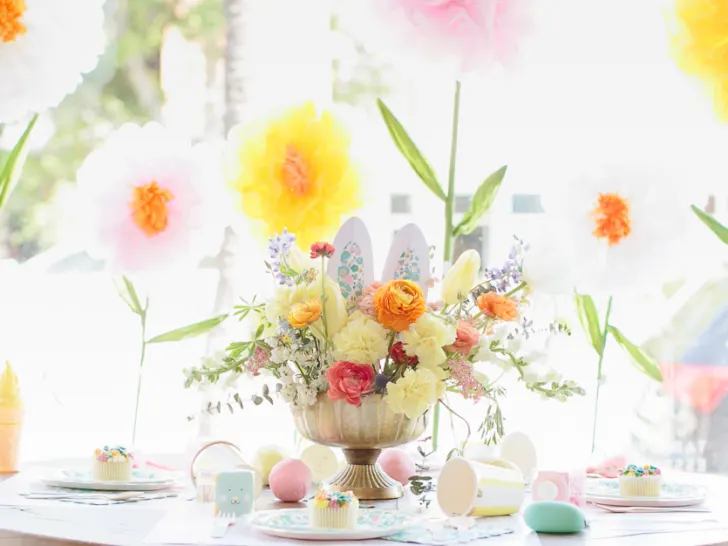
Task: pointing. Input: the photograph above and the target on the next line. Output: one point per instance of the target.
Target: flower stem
(605, 335)
(143, 318)
(449, 227)
(323, 300)
(516, 289)
(450, 196)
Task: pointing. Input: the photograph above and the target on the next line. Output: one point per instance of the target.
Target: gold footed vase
(362, 432)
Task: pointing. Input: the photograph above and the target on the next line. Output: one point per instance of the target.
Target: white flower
(149, 199)
(45, 48)
(619, 229)
(306, 395)
(426, 338)
(537, 372)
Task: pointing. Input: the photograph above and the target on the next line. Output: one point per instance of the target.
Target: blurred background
(599, 75)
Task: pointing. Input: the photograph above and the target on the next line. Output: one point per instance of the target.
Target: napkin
(442, 535)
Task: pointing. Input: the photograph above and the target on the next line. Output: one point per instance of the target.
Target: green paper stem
(605, 334)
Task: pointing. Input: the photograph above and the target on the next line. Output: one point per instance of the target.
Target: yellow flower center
(11, 23)
(149, 208)
(295, 175)
(611, 216)
(403, 297)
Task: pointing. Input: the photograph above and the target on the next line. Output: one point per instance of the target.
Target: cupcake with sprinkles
(112, 464)
(333, 510)
(640, 481)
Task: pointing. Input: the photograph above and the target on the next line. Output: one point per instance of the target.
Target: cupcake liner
(334, 518)
(640, 486)
(112, 471)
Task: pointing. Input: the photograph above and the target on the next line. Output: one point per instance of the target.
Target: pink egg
(397, 464)
(290, 480)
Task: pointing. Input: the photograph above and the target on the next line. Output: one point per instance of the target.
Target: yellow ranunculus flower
(414, 393)
(304, 314)
(426, 339)
(461, 277)
(362, 340)
(286, 297)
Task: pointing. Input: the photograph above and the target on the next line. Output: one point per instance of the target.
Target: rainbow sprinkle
(334, 499)
(639, 471)
(113, 454)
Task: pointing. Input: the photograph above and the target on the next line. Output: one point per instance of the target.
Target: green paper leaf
(481, 202)
(188, 332)
(590, 321)
(642, 361)
(10, 172)
(716, 227)
(410, 151)
(128, 293)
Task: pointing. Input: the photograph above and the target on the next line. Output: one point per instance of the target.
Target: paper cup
(470, 488)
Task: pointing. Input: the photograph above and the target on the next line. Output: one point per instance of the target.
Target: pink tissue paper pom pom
(467, 35)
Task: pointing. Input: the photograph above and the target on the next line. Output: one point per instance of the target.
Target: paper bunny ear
(352, 263)
(409, 257)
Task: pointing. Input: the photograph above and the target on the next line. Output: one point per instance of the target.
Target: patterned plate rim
(329, 534)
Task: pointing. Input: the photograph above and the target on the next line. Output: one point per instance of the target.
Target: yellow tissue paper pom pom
(294, 172)
(700, 46)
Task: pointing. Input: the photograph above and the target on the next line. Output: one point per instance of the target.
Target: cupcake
(112, 464)
(640, 481)
(333, 510)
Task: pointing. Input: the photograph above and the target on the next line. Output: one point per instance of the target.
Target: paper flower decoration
(148, 199)
(621, 229)
(467, 35)
(294, 172)
(700, 46)
(45, 48)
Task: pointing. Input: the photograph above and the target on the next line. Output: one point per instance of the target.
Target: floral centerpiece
(361, 361)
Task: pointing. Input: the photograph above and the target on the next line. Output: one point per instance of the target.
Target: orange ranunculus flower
(398, 304)
(497, 306)
(304, 314)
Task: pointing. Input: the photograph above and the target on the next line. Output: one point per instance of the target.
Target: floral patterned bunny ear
(409, 257)
(352, 263)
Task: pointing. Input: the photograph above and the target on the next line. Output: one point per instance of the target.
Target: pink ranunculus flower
(469, 35)
(148, 200)
(348, 381)
(467, 338)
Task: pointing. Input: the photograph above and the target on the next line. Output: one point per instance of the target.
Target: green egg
(554, 517)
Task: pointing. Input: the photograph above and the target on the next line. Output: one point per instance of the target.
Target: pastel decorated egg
(397, 464)
(321, 460)
(265, 459)
(554, 517)
(518, 448)
(290, 480)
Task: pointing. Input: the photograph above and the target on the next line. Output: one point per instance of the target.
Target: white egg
(518, 448)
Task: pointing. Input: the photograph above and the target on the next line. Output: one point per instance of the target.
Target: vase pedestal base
(364, 477)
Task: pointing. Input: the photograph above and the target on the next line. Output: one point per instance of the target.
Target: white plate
(141, 480)
(294, 523)
(673, 495)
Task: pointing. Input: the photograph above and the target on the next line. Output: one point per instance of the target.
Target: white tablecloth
(30, 522)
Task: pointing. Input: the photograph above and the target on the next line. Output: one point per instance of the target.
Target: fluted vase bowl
(362, 432)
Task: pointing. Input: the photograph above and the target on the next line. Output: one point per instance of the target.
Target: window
(524, 203)
(462, 203)
(178, 70)
(401, 204)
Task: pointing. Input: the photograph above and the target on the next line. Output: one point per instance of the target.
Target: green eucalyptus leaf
(590, 321)
(716, 227)
(10, 172)
(188, 332)
(481, 202)
(642, 361)
(410, 151)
